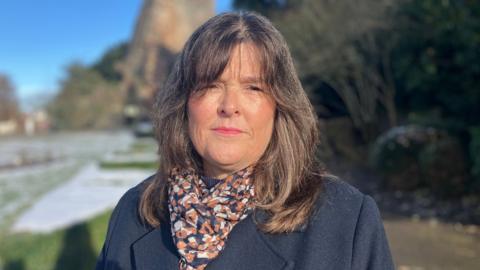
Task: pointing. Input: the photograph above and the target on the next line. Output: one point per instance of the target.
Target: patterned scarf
(201, 218)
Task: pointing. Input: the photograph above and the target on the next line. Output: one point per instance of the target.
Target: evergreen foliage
(90, 96)
(108, 65)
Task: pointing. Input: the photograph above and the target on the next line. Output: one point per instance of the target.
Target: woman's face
(231, 121)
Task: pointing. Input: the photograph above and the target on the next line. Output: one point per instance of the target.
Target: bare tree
(8, 101)
(347, 44)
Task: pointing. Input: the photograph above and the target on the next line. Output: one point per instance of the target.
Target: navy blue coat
(346, 232)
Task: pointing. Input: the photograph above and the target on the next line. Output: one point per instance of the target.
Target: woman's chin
(224, 165)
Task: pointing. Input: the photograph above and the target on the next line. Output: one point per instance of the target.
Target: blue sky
(39, 38)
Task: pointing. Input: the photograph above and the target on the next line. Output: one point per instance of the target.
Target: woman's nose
(229, 103)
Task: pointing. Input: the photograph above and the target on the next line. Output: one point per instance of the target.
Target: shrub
(395, 156)
(412, 157)
(444, 167)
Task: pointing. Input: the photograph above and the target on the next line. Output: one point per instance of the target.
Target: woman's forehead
(244, 63)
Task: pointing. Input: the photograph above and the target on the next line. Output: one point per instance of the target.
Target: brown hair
(287, 177)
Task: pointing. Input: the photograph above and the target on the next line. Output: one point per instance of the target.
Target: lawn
(74, 248)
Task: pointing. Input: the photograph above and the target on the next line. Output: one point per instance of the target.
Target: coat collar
(246, 248)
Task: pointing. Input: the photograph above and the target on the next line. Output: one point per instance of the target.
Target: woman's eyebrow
(244, 79)
(251, 79)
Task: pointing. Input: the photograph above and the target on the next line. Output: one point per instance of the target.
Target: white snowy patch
(87, 194)
(60, 166)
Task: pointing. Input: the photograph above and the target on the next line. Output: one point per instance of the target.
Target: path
(428, 245)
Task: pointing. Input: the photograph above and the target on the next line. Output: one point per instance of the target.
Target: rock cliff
(162, 28)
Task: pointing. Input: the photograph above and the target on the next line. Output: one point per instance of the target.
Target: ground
(54, 166)
(416, 242)
(419, 245)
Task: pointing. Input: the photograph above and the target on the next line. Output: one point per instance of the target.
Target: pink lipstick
(227, 130)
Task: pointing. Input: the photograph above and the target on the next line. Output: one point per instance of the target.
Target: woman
(238, 186)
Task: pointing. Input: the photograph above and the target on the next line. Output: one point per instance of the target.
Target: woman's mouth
(227, 130)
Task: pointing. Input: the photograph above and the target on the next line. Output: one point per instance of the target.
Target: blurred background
(395, 83)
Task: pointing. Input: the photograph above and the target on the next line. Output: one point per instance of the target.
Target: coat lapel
(155, 250)
(246, 248)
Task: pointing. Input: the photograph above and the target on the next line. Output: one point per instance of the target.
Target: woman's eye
(254, 88)
(205, 89)
(213, 86)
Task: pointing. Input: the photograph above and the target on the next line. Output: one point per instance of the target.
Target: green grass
(129, 165)
(144, 146)
(74, 248)
(140, 146)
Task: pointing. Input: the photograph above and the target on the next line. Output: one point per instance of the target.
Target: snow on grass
(48, 161)
(90, 192)
(22, 189)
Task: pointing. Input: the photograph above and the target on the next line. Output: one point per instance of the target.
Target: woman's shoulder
(132, 196)
(335, 189)
(126, 212)
(124, 228)
(352, 219)
(342, 205)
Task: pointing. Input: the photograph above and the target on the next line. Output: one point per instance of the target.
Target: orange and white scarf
(201, 217)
